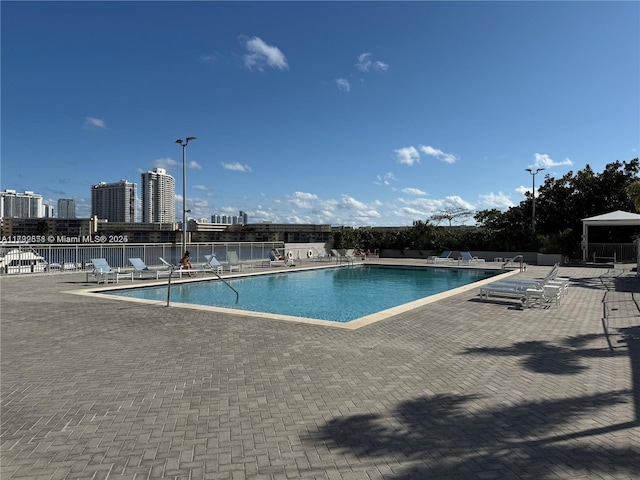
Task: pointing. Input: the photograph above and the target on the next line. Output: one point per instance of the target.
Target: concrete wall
(529, 257)
(300, 250)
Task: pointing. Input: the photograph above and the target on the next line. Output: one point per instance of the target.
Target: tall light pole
(184, 144)
(533, 192)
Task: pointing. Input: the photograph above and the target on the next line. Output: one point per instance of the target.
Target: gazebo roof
(613, 218)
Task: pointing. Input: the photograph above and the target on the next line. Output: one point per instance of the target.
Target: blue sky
(347, 113)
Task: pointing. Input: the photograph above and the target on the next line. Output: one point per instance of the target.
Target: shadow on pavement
(444, 436)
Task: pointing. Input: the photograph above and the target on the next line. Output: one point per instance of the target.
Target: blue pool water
(334, 294)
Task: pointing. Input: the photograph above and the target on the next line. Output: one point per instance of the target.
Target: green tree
(451, 213)
(633, 191)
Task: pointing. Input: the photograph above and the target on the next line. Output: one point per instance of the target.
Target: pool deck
(96, 388)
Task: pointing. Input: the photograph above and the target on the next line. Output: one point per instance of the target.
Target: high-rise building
(115, 202)
(48, 211)
(66, 208)
(241, 219)
(20, 205)
(158, 197)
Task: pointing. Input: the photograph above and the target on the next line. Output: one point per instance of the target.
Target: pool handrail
(214, 269)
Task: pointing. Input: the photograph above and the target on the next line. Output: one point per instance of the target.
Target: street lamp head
(185, 142)
(527, 169)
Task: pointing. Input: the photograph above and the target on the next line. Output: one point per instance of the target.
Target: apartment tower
(20, 205)
(158, 197)
(114, 202)
(66, 208)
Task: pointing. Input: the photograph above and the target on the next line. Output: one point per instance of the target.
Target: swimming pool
(330, 294)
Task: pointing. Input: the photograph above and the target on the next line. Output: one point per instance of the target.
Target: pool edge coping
(351, 325)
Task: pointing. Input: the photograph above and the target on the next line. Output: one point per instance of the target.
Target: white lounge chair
(275, 261)
(551, 279)
(141, 268)
(103, 272)
(233, 263)
(213, 262)
(341, 255)
(443, 257)
(466, 257)
(529, 291)
(522, 293)
(530, 296)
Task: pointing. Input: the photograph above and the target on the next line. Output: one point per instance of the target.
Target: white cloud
(419, 208)
(165, 163)
(456, 201)
(343, 84)
(303, 200)
(366, 64)
(236, 167)
(94, 123)
(210, 58)
(439, 154)
(201, 188)
(385, 179)
(359, 209)
(351, 203)
(413, 191)
(522, 190)
(194, 165)
(500, 201)
(542, 160)
(407, 155)
(260, 55)
(422, 208)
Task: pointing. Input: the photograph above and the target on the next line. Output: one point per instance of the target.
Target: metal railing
(616, 252)
(20, 258)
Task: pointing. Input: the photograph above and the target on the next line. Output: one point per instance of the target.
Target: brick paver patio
(457, 389)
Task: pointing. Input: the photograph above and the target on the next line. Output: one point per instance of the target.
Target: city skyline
(347, 113)
(66, 209)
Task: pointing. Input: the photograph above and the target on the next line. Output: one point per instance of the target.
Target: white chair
(233, 263)
(443, 257)
(103, 272)
(466, 257)
(275, 261)
(140, 268)
(213, 262)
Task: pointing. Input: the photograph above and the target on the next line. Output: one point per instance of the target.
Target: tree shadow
(444, 436)
(592, 283)
(544, 357)
(611, 281)
(564, 359)
(626, 284)
(631, 336)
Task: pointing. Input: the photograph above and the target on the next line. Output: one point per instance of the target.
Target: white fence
(612, 252)
(38, 258)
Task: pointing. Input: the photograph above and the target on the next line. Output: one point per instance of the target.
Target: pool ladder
(512, 261)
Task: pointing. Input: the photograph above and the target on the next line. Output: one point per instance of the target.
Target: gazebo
(612, 219)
